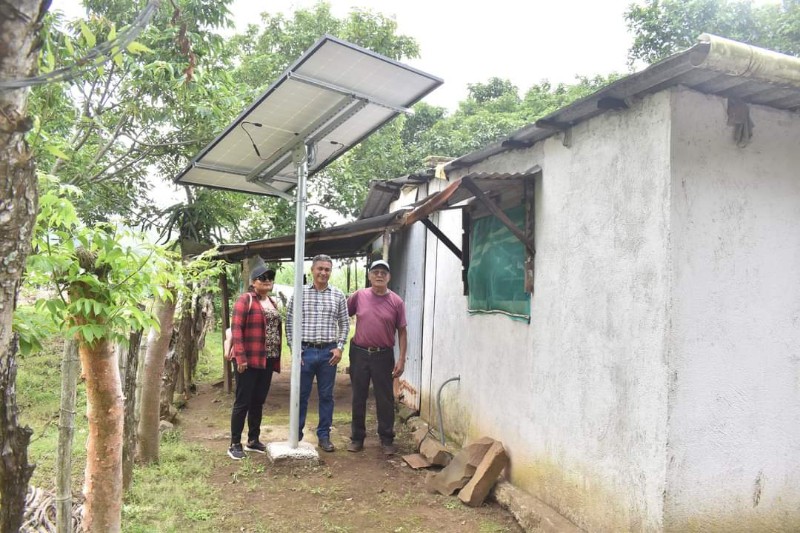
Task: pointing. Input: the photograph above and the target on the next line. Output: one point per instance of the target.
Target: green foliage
(267, 49)
(143, 115)
(101, 273)
(493, 110)
(664, 27)
(139, 116)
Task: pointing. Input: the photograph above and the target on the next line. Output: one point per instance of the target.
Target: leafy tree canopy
(664, 27)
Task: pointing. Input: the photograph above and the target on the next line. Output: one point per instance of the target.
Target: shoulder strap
(249, 305)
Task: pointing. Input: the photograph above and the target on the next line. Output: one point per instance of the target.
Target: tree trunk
(70, 368)
(169, 379)
(149, 416)
(196, 314)
(104, 409)
(19, 25)
(15, 472)
(129, 392)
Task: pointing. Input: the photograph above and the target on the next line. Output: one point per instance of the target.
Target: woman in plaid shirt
(256, 329)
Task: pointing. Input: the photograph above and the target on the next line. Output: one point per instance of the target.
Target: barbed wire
(95, 57)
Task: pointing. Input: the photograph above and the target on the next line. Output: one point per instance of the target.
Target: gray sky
(469, 42)
(466, 42)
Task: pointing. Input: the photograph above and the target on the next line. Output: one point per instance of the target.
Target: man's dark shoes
(236, 453)
(326, 444)
(255, 446)
(388, 448)
(355, 446)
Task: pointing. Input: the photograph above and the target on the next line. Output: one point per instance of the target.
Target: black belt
(372, 349)
(316, 344)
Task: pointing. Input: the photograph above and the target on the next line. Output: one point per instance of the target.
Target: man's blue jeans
(316, 363)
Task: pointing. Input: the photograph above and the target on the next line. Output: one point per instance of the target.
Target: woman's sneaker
(255, 446)
(236, 453)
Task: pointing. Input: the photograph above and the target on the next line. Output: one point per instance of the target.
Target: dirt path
(347, 492)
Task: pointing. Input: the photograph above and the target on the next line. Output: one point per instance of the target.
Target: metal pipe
(300, 156)
(439, 406)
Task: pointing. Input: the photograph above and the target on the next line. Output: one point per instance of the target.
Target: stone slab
(420, 434)
(416, 461)
(485, 477)
(435, 452)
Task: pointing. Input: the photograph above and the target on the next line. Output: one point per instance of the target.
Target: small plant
(199, 515)
(491, 527)
(451, 504)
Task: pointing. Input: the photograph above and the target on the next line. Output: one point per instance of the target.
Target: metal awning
(346, 240)
(354, 239)
(331, 98)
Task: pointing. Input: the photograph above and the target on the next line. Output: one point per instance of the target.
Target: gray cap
(380, 263)
(260, 268)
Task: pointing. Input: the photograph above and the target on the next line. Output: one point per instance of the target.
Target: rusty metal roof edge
(711, 53)
(377, 224)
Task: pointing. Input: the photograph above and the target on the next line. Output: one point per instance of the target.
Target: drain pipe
(439, 406)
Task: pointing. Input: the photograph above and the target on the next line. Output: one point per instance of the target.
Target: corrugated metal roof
(384, 192)
(714, 66)
(353, 239)
(346, 240)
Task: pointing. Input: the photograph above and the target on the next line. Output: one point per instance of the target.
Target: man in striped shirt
(323, 333)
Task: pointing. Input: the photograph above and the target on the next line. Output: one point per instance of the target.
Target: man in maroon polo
(379, 314)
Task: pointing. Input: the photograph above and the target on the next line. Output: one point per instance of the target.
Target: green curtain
(497, 268)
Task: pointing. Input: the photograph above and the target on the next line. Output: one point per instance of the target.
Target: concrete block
(282, 453)
(486, 475)
(531, 513)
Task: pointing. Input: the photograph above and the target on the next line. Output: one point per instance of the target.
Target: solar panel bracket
(341, 90)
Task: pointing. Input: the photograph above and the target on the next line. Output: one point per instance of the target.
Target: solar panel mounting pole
(300, 159)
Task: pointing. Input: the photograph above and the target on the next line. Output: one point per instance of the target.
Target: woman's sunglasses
(263, 278)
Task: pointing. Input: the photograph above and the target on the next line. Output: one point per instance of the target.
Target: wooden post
(496, 211)
(530, 228)
(227, 373)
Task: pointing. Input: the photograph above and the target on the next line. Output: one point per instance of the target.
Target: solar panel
(333, 97)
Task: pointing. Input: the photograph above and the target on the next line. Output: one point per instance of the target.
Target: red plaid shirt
(248, 332)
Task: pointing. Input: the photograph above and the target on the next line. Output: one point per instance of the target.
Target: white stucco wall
(579, 396)
(734, 430)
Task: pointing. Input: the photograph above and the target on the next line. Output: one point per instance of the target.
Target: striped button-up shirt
(325, 316)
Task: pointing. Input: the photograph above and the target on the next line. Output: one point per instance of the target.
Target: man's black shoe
(326, 444)
(388, 448)
(355, 446)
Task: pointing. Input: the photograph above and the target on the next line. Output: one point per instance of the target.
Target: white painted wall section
(734, 439)
(579, 396)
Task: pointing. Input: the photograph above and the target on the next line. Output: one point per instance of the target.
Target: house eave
(714, 65)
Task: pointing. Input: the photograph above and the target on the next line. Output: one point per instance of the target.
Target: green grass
(39, 399)
(174, 494)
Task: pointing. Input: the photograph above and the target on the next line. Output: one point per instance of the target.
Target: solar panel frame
(332, 98)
